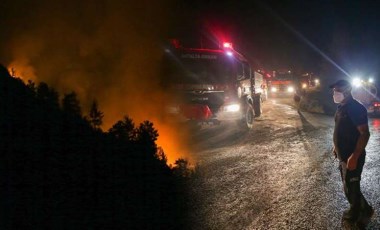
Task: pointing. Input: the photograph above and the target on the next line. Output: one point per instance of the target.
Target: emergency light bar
(227, 45)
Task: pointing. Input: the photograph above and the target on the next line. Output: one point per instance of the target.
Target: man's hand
(352, 162)
(334, 152)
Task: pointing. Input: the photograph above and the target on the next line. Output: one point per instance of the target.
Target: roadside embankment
(316, 101)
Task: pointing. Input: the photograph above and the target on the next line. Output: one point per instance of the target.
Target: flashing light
(304, 86)
(316, 81)
(376, 104)
(357, 82)
(227, 45)
(290, 89)
(175, 42)
(273, 89)
(370, 80)
(229, 53)
(232, 108)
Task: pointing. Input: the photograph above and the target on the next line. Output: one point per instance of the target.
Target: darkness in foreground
(60, 171)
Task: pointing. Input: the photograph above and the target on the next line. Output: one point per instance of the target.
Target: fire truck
(211, 85)
(282, 84)
(366, 92)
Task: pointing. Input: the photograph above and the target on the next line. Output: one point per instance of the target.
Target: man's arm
(360, 146)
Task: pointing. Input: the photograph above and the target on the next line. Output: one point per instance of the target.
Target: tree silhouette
(58, 172)
(182, 169)
(71, 105)
(95, 116)
(147, 136)
(47, 95)
(124, 129)
(32, 86)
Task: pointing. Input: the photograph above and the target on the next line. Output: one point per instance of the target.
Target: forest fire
(105, 53)
(173, 137)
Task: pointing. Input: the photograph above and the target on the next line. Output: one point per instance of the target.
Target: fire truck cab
(210, 85)
(282, 84)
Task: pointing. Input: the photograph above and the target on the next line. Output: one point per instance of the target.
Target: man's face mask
(338, 97)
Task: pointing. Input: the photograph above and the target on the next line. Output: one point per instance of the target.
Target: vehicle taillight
(376, 104)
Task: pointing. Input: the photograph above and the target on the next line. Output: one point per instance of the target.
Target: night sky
(272, 34)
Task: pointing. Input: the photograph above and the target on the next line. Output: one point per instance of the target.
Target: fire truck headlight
(273, 89)
(290, 89)
(232, 108)
(229, 53)
(357, 82)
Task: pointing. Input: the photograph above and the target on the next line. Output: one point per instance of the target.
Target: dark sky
(273, 33)
(268, 32)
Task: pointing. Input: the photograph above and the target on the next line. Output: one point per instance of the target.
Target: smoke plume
(104, 50)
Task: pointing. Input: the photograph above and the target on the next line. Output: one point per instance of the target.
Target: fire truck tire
(257, 106)
(249, 117)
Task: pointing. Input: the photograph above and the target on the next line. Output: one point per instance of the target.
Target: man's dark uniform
(347, 117)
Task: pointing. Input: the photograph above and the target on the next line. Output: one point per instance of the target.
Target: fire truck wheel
(249, 117)
(257, 107)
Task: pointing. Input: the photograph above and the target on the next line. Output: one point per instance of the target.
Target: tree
(161, 155)
(147, 136)
(124, 129)
(32, 86)
(182, 168)
(95, 116)
(46, 94)
(71, 105)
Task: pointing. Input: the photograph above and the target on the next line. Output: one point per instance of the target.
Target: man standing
(351, 135)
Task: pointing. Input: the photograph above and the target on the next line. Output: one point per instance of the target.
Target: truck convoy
(211, 85)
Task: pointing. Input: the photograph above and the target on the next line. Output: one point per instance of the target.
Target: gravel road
(279, 175)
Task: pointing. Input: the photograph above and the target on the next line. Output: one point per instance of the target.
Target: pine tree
(71, 105)
(146, 135)
(95, 116)
(46, 94)
(124, 129)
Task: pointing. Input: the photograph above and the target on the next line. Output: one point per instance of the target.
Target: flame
(173, 140)
(21, 68)
(173, 136)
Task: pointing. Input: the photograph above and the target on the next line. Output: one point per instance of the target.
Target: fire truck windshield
(284, 76)
(199, 68)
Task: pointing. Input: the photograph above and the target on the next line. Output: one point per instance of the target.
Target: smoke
(104, 50)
